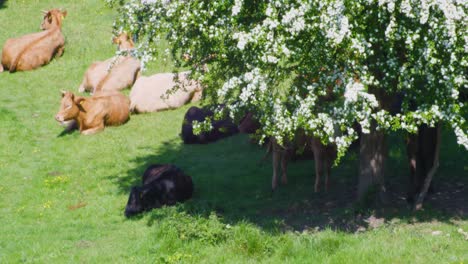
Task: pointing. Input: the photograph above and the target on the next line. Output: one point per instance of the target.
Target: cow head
(124, 41)
(70, 107)
(143, 199)
(53, 18)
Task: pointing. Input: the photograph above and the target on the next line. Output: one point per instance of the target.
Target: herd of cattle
(162, 184)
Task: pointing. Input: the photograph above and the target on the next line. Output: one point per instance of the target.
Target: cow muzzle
(59, 118)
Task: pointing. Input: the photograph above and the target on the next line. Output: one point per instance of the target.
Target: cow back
(14, 46)
(159, 92)
(122, 74)
(40, 50)
(154, 172)
(115, 105)
(220, 128)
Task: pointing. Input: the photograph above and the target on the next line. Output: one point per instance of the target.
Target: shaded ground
(236, 187)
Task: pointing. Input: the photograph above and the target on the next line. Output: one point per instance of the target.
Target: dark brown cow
(163, 184)
(34, 50)
(221, 128)
(93, 113)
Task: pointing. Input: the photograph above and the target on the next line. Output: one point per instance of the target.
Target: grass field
(62, 196)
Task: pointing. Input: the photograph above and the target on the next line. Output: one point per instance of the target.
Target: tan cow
(34, 50)
(161, 92)
(116, 73)
(324, 155)
(108, 108)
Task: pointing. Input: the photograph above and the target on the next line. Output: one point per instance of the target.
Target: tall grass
(62, 196)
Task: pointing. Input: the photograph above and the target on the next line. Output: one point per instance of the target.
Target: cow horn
(44, 11)
(62, 92)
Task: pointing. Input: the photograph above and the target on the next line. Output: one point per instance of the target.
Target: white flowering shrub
(318, 66)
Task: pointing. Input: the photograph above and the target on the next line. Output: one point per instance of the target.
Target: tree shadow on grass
(3, 4)
(229, 182)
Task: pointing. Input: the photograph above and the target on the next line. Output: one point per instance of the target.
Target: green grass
(62, 197)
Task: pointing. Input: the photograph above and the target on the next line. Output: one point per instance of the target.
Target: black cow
(163, 184)
(221, 128)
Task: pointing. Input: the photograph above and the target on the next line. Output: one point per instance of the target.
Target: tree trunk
(431, 172)
(372, 155)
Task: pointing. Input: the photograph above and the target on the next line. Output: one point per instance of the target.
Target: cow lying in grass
(161, 92)
(162, 185)
(116, 73)
(323, 155)
(221, 128)
(34, 50)
(93, 113)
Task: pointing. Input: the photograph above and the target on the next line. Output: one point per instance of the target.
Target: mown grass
(62, 196)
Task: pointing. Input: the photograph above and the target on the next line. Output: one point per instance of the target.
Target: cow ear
(64, 13)
(79, 100)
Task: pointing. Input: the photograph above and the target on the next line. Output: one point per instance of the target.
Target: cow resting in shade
(163, 184)
(220, 128)
(34, 50)
(116, 73)
(92, 114)
(161, 92)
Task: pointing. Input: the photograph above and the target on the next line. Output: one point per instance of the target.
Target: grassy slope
(62, 197)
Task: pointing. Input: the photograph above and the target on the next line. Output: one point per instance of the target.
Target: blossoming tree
(320, 66)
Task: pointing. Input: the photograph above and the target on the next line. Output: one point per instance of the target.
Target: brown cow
(157, 92)
(324, 155)
(108, 108)
(116, 73)
(34, 50)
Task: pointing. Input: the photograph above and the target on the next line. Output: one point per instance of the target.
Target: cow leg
(318, 157)
(1, 67)
(427, 150)
(284, 167)
(318, 173)
(411, 151)
(275, 159)
(329, 164)
(93, 130)
(59, 52)
(84, 84)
